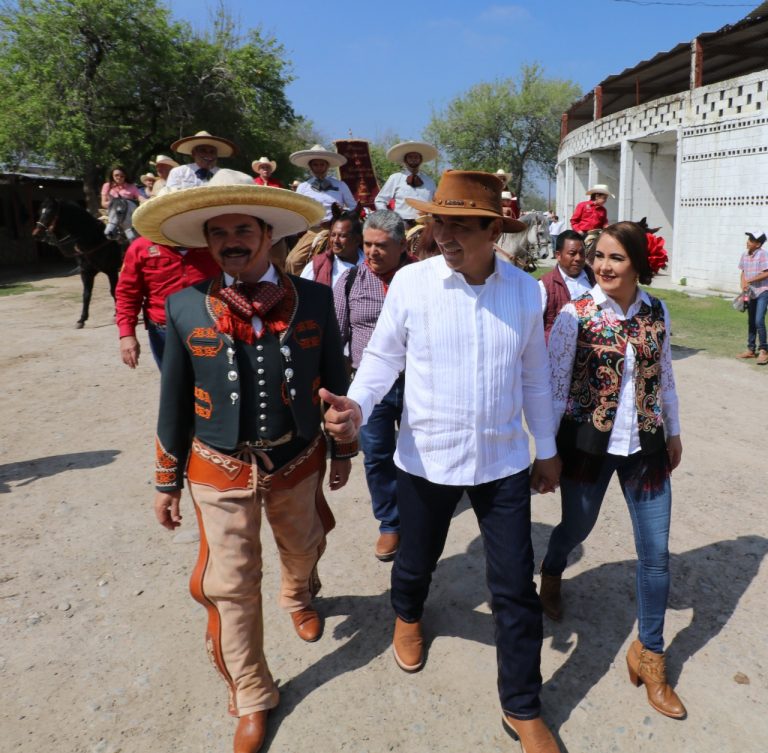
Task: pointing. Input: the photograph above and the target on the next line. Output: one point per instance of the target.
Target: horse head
(49, 216)
(119, 218)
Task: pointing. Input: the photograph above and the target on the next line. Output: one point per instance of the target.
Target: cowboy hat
(398, 151)
(150, 176)
(177, 217)
(303, 158)
(163, 160)
(224, 147)
(600, 188)
(468, 193)
(263, 161)
(507, 196)
(503, 176)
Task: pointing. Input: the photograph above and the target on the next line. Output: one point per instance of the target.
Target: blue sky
(378, 68)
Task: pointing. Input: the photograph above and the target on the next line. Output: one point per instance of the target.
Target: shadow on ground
(28, 471)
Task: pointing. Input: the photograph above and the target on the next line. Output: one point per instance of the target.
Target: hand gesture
(167, 509)
(343, 417)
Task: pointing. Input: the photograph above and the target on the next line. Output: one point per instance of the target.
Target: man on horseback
(205, 151)
(591, 216)
(246, 354)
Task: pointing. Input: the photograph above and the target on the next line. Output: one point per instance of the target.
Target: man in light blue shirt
(409, 183)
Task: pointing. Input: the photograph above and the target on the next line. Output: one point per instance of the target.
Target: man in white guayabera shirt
(467, 330)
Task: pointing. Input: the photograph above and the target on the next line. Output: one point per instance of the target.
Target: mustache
(236, 251)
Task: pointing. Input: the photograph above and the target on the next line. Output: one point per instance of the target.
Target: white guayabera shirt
(474, 359)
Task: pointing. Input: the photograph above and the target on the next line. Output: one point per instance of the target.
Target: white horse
(523, 249)
(119, 220)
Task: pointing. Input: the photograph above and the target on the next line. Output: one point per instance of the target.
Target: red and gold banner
(358, 172)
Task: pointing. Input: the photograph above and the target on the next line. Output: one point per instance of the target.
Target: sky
(373, 69)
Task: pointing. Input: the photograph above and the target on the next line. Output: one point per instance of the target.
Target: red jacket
(150, 274)
(259, 181)
(588, 216)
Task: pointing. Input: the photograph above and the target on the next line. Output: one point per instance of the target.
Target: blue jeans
(756, 310)
(378, 439)
(156, 335)
(649, 509)
(503, 510)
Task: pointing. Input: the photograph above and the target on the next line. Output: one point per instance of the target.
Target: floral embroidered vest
(598, 367)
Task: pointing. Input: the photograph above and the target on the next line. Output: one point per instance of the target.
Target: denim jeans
(503, 510)
(756, 310)
(156, 335)
(649, 510)
(377, 440)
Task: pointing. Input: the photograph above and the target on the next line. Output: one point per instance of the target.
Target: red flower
(657, 254)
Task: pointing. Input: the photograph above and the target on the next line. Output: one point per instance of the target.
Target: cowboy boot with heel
(649, 668)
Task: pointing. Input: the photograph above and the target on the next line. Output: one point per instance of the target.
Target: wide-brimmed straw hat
(162, 159)
(148, 176)
(263, 161)
(177, 217)
(503, 176)
(600, 188)
(468, 193)
(303, 158)
(398, 151)
(224, 147)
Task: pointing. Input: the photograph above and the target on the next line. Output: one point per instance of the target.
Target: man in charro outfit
(246, 354)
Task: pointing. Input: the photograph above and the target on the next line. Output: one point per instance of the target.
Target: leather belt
(260, 444)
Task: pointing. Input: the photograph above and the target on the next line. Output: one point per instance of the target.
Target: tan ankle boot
(649, 668)
(549, 595)
(408, 645)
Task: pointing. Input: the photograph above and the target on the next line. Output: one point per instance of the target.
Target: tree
(512, 124)
(89, 85)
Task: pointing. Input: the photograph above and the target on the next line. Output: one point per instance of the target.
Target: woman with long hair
(118, 185)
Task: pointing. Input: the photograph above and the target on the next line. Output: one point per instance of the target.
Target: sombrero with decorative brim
(263, 161)
(600, 188)
(225, 147)
(176, 218)
(162, 159)
(398, 151)
(468, 193)
(303, 158)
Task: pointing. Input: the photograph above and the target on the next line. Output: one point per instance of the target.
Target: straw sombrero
(176, 218)
(398, 151)
(263, 161)
(185, 146)
(600, 188)
(144, 177)
(303, 158)
(503, 176)
(162, 159)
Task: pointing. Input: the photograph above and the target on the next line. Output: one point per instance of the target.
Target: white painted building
(681, 139)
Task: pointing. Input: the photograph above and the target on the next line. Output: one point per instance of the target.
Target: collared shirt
(589, 216)
(397, 188)
(625, 437)
(338, 193)
(339, 268)
(269, 276)
(555, 228)
(185, 176)
(358, 313)
(752, 266)
(576, 286)
(476, 360)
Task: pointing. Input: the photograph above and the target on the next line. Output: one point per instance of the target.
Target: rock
(102, 582)
(741, 678)
(65, 606)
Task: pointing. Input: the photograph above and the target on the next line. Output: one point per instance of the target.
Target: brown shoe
(386, 546)
(533, 734)
(408, 645)
(762, 359)
(549, 595)
(307, 623)
(251, 731)
(747, 354)
(649, 668)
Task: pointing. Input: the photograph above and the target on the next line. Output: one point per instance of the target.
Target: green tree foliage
(90, 84)
(512, 124)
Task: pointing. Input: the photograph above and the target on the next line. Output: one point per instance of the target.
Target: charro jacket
(202, 375)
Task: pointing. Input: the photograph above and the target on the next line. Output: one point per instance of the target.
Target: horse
(78, 234)
(119, 220)
(523, 249)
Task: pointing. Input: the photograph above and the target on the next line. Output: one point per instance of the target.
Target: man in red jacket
(150, 273)
(591, 215)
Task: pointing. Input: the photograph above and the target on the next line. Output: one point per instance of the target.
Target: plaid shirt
(752, 266)
(358, 315)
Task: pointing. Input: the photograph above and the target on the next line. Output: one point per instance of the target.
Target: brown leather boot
(307, 623)
(649, 668)
(549, 595)
(408, 645)
(250, 733)
(533, 734)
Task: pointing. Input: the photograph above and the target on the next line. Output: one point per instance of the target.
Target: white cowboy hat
(177, 217)
(263, 161)
(398, 151)
(163, 160)
(508, 196)
(503, 176)
(144, 177)
(302, 158)
(600, 188)
(224, 147)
